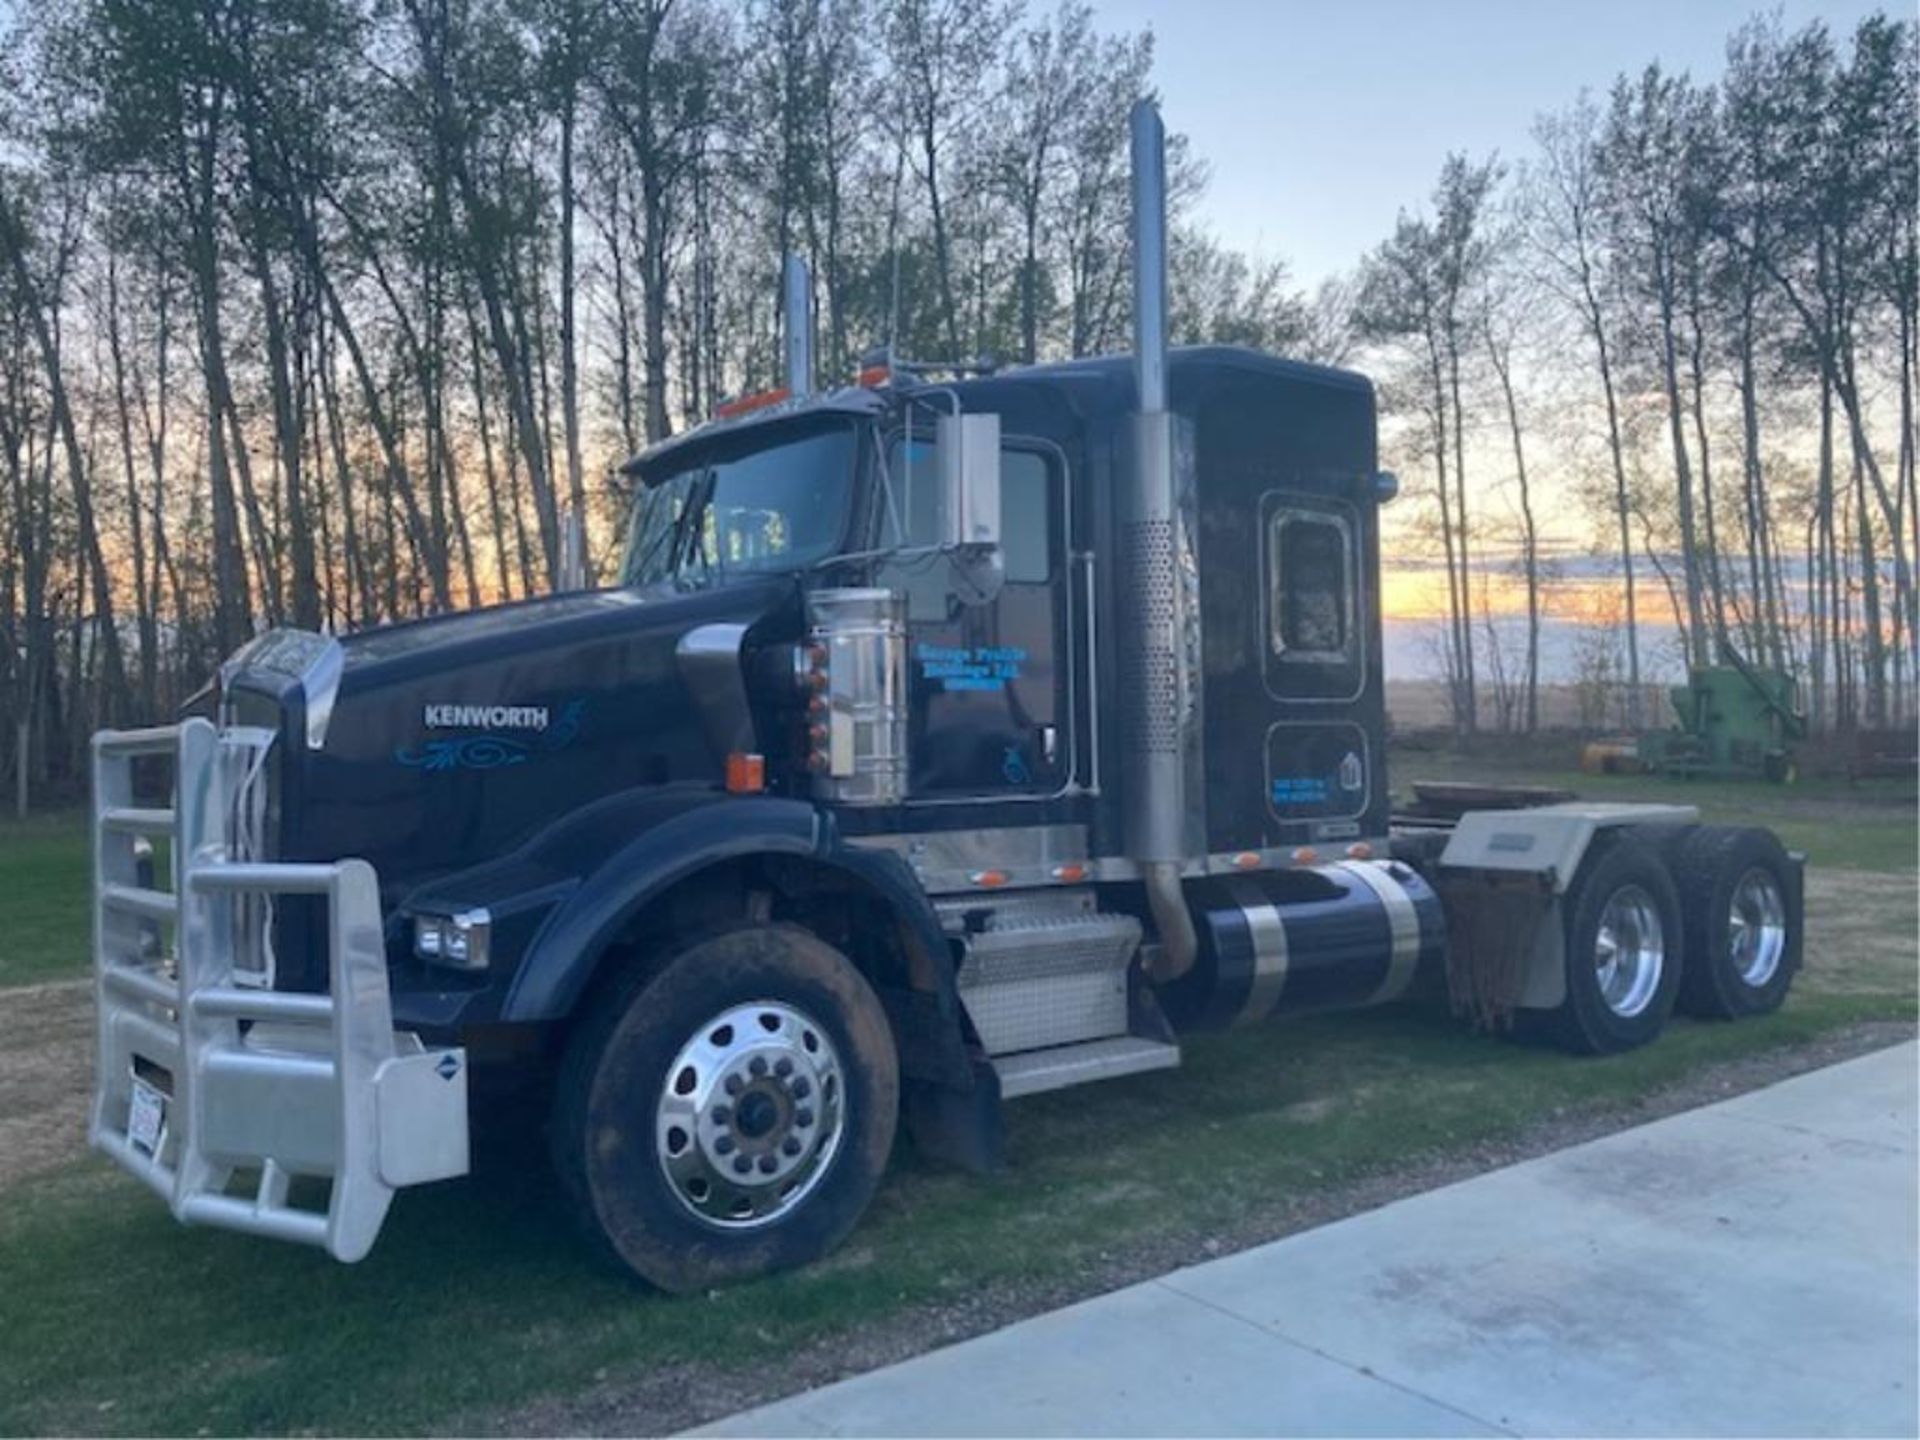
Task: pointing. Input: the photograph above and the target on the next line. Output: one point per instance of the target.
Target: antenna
(893, 244)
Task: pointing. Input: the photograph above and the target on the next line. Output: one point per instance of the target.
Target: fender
(571, 889)
(659, 849)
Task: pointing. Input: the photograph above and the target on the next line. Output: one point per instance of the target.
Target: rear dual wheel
(1744, 921)
(1625, 945)
(1710, 921)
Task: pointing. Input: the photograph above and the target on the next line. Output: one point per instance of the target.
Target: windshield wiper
(642, 564)
(692, 521)
(672, 536)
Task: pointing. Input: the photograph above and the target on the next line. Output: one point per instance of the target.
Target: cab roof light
(875, 367)
(747, 404)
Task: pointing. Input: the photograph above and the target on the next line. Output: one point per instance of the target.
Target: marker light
(747, 404)
(746, 773)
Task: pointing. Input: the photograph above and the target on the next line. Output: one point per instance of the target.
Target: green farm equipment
(1736, 722)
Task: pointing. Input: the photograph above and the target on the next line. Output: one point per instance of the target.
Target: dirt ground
(46, 1050)
(1860, 927)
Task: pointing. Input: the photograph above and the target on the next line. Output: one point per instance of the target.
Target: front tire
(1624, 947)
(1744, 918)
(731, 1113)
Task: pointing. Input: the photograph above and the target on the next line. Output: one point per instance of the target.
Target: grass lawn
(478, 1297)
(45, 898)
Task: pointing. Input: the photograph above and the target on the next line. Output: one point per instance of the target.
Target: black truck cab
(486, 760)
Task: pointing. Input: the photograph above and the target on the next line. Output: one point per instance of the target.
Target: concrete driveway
(1748, 1268)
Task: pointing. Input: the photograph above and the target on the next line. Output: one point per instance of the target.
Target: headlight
(458, 942)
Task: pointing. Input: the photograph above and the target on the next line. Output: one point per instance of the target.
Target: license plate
(146, 1118)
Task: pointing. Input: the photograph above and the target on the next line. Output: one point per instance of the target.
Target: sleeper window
(1311, 616)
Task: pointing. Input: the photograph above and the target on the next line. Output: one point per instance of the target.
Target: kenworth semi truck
(940, 742)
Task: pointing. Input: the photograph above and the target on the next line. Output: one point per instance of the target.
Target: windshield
(781, 506)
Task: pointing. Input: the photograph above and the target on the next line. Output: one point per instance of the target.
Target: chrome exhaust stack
(798, 282)
(1156, 574)
(1149, 156)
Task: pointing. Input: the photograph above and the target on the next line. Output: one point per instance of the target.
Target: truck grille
(250, 787)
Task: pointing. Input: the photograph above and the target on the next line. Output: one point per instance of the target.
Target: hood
(460, 735)
(438, 642)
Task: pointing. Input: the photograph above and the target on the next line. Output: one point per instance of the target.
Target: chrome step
(1035, 1071)
(1037, 977)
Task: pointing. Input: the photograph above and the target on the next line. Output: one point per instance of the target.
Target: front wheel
(732, 1114)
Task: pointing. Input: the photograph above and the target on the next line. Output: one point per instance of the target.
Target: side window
(1310, 610)
(914, 521)
(1026, 518)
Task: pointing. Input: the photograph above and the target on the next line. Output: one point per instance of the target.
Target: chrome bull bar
(217, 1093)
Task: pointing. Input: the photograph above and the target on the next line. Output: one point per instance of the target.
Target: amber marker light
(747, 404)
(1306, 855)
(1359, 850)
(989, 879)
(746, 773)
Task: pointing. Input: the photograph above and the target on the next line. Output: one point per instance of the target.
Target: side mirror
(967, 458)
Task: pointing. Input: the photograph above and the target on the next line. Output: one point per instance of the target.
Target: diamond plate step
(1038, 980)
(1038, 1070)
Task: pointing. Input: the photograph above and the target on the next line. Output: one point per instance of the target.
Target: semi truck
(944, 739)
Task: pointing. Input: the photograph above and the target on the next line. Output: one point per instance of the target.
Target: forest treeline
(325, 312)
(1696, 300)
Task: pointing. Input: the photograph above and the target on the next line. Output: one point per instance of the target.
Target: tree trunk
(1697, 646)
(569, 359)
(1623, 509)
(1530, 535)
(145, 601)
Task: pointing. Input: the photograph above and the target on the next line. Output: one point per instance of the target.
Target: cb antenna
(893, 242)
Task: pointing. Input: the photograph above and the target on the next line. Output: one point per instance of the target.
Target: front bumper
(217, 1091)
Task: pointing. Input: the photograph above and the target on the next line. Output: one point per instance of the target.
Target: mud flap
(961, 1128)
(1497, 923)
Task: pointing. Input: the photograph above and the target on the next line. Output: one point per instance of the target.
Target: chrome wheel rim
(750, 1115)
(1756, 927)
(1629, 951)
